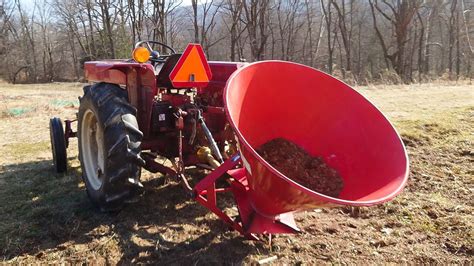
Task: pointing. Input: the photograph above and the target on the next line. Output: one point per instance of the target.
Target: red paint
(266, 100)
(251, 222)
(140, 81)
(142, 86)
(205, 193)
(110, 71)
(272, 99)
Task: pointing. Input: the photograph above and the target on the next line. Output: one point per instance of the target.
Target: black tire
(58, 145)
(117, 131)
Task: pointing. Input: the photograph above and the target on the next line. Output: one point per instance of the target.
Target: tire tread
(122, 139)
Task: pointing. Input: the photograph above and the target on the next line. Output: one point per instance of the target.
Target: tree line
(358, 41)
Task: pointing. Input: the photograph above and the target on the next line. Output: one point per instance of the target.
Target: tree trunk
(328, 18)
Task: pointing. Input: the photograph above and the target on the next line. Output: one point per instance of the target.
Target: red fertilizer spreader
(214, 115)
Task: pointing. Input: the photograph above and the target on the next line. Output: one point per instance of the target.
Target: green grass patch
(445, 128)
(18, 111)
(65, 103)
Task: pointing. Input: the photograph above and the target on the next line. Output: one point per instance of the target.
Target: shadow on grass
(45, 212)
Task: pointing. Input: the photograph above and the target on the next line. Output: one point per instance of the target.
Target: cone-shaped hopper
(326, 117)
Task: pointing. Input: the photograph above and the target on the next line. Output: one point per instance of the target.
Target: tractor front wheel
(58, 144)
(109, 146)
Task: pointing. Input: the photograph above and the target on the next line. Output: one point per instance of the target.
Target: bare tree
(29, 35)
(136, 18)
(400, 14)
(288, 26)
(234, 9)
(453, 34)
(5, 15)
(345, 28)
(328, 19)
(205, 21)
(256, 19)
(159, 18)
(91, 43)
(106, 18)
(466, 15)
(414, 36)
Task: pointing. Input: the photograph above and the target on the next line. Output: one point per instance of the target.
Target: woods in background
(358, 41)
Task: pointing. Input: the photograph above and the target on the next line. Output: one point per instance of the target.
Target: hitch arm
(210, 139)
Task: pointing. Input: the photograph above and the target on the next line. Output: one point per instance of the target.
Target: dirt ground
(46, 217)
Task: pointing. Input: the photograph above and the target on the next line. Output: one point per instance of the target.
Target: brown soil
(295, 163)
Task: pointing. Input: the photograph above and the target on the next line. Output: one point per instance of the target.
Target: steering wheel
(155, 55)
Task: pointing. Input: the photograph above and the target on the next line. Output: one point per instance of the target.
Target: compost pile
(295, 163)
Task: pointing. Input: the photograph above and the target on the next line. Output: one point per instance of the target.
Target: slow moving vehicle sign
(192, 69)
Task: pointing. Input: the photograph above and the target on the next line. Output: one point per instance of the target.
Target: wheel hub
(92, 148)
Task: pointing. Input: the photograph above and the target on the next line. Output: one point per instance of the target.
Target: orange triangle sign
(192, 69)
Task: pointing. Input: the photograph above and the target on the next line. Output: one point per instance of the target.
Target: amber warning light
(192, 69)
(141, 54)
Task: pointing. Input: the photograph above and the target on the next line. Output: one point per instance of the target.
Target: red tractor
(213, 115)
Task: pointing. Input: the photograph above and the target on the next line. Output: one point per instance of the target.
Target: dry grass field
(46, 217)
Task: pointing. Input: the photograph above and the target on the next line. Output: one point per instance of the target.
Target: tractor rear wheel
(109, 146)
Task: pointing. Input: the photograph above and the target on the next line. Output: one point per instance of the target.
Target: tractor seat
(163, 77)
